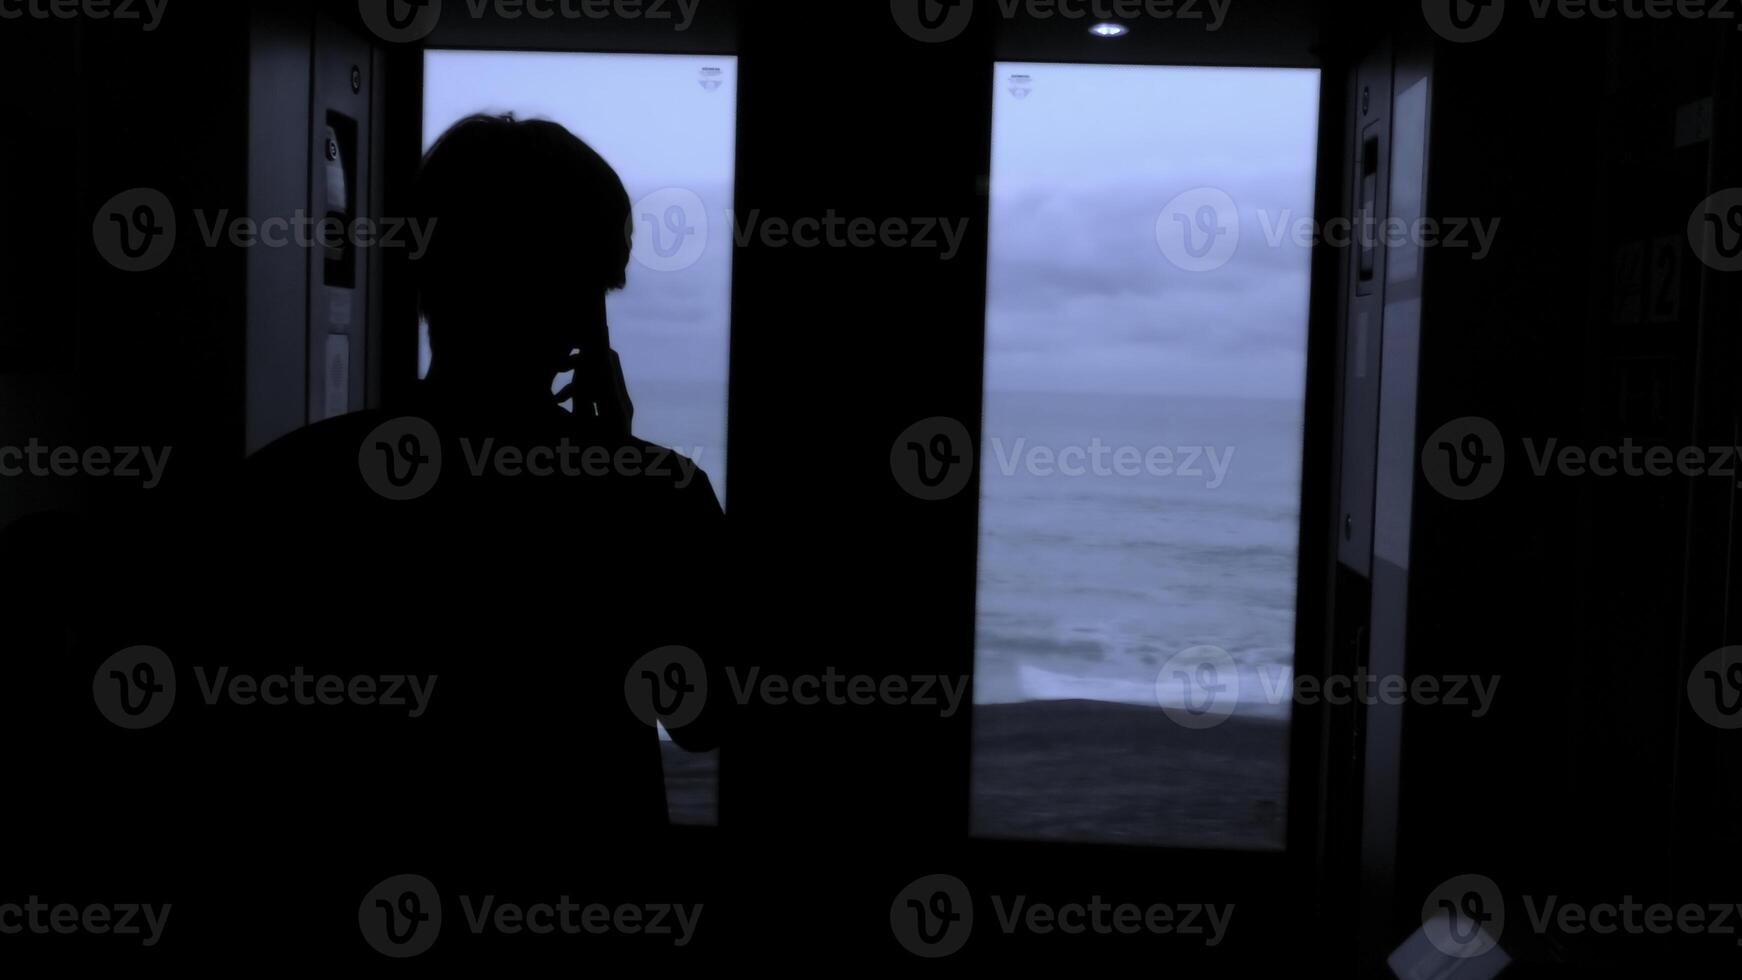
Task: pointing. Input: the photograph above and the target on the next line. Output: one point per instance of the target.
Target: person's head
(529, 228)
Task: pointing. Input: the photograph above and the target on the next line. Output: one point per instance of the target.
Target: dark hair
(514, 202)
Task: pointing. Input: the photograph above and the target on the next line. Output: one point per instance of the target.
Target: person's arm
(704, 613)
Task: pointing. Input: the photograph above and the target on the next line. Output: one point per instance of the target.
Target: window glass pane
(1145, 377)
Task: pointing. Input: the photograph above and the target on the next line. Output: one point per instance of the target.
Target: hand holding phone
(600, 391)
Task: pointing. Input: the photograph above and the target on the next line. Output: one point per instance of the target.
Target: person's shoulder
(324, 453)
(672, 472)
(321, 437)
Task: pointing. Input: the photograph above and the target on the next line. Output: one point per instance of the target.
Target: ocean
(1088, 583)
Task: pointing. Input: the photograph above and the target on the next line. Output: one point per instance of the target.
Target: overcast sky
(1082, 296)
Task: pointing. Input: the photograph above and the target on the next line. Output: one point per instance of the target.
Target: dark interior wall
(91, 355)
(835, 353)
(1571, 590)
(1708, 790)
(39, 150)
(279, 38)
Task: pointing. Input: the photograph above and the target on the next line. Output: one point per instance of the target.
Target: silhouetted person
(552, 552)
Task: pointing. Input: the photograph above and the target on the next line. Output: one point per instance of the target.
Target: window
(1145, 380)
